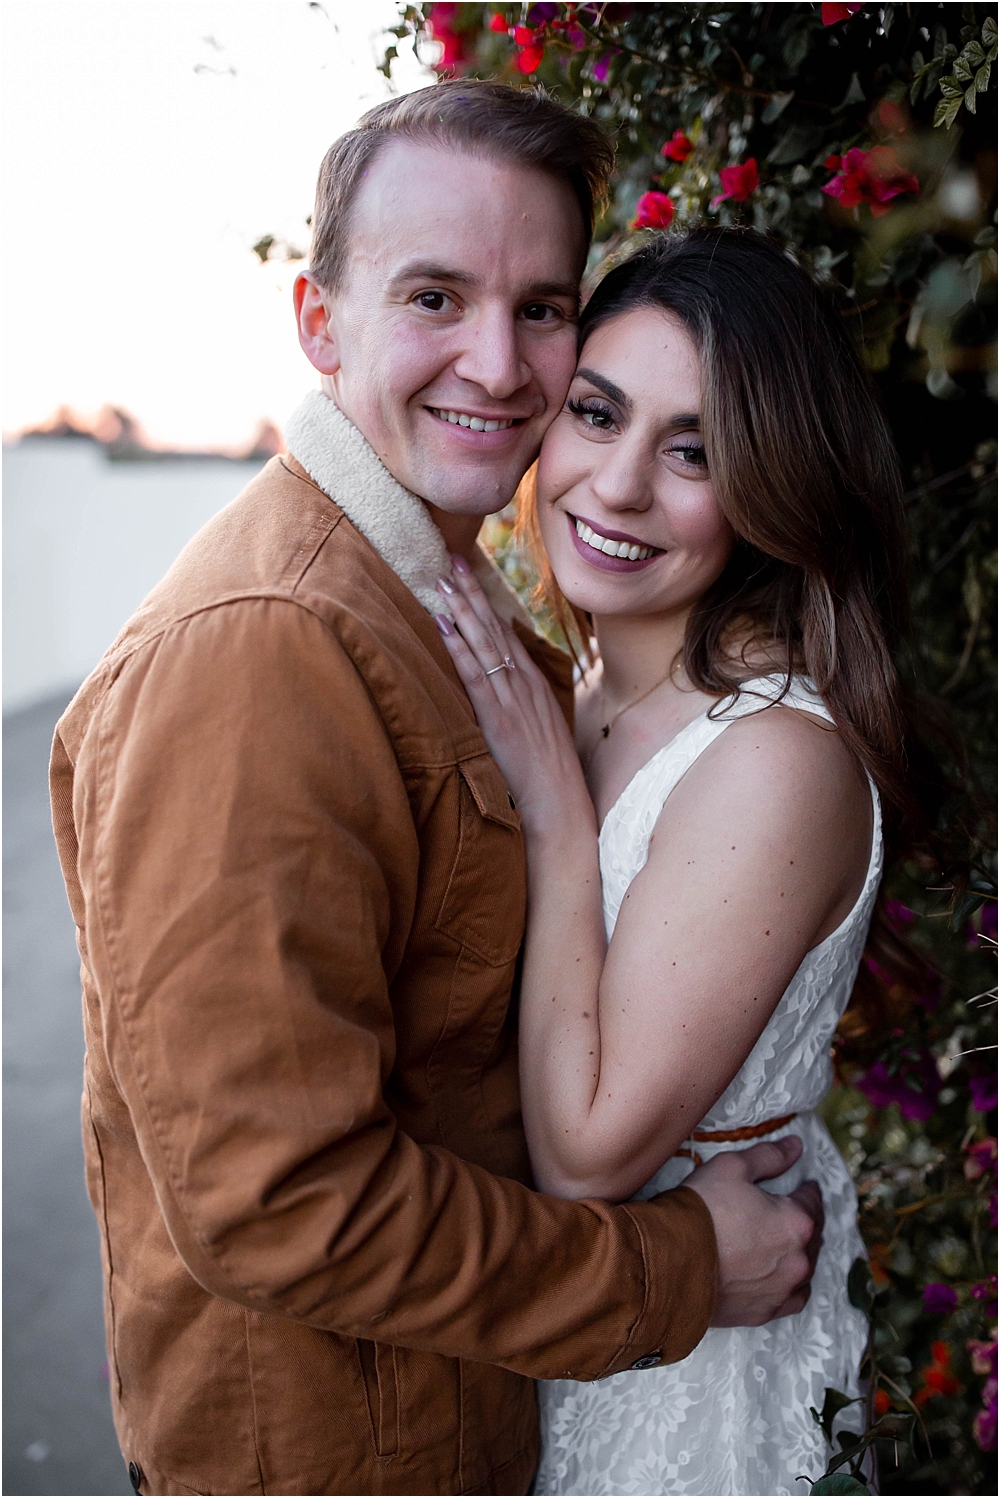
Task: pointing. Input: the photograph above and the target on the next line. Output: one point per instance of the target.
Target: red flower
(873, 177)
(524, 36)
(678, 147)
(738, 182)
(981, 1157)
(831, 14)
(937, 1377)
(654, 210)
(498, 22)
(883, 1404)
(529, 59)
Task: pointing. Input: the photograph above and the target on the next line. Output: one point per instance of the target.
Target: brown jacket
(299, 887)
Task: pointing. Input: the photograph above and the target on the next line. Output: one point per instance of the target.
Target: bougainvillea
(863, 137)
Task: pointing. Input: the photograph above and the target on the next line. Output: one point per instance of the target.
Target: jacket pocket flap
(489, 790)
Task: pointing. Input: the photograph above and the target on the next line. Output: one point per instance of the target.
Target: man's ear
(316, 335)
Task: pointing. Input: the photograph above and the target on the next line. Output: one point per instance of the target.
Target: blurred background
(151, 357)
(160, 157)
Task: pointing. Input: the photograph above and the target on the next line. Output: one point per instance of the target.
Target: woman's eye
(433, 301)
(593, 414)
(692, 454)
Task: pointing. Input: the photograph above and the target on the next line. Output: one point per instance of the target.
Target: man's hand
(767, 1244)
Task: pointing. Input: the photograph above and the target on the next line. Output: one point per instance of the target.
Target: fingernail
(444, 625)
(445, 585)
(460, 565)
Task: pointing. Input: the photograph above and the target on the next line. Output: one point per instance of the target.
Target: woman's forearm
(559, 1021)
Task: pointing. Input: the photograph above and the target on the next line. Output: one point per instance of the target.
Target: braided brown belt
(732, 1136)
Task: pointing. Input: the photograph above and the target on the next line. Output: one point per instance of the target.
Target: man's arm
(248, 865)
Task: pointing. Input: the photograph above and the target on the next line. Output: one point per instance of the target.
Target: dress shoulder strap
(765, 691)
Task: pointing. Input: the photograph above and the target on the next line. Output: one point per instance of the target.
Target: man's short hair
(521, 125)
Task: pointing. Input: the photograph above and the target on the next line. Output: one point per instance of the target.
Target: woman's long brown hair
(804, 468)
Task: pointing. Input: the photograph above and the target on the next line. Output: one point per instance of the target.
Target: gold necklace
(607, 727)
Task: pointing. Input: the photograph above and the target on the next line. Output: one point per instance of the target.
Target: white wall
(85, 540)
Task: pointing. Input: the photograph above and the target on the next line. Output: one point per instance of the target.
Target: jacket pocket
(484, 903)
(378, 1370)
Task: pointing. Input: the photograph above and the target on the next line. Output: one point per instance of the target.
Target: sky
(148, 145)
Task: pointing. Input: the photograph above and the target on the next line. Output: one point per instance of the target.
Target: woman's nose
(620, 478)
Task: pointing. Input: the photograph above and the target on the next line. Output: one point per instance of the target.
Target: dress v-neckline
(652, 760)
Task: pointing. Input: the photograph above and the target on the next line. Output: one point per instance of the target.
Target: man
(298, 880)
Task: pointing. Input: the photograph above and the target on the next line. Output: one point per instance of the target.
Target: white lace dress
(733, 1417)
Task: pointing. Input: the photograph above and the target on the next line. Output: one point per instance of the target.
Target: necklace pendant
(605, 730)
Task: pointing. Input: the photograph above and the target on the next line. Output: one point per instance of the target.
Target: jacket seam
(253, 1400)
(629, 1342)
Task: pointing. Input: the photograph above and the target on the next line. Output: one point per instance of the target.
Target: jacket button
(649, 1361)
(135, 1477)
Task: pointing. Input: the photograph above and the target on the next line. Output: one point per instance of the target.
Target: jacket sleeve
(246, 864)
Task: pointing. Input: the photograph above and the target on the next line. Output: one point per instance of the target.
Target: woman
(719, 503)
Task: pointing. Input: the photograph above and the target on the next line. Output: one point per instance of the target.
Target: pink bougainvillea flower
(498, 22)
(654, 210)
(983, 1091)
(986, 1290)
(914, 1085)
(983, 1356)
(738, 182)
(602, 65)
(678, 147)
(529, 59)
(939, 1300)
(981, 1158)
(874, 177)
(831, 14)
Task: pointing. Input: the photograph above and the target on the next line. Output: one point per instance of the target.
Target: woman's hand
(517, 710)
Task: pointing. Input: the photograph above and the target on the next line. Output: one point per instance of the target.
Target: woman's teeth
(611, 548)
(474, 423)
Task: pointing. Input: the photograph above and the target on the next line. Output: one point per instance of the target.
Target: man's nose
(492, 356)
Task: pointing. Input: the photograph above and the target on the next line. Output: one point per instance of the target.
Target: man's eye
(538, 312)
(433, 301)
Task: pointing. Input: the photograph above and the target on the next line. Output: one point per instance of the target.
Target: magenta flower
(939, 1300)
(831, 14)
(678, 147)
(981, 1159)
(986, 1291)
(874, 177)
(602, 65)
(738, 182)
(654, 210)
(984, 1362)
(983, 1091)
(914, 1086)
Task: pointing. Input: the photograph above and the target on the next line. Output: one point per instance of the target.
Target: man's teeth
(611, 548)
(474, 423)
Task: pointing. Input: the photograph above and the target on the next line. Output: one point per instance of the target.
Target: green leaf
(775, 106)
(833, 1402)
(839, 1482)
(859, 1280)
(970, 99)
(973, 54)
(951, 88)
(983, 78)
(990, 32)
(946, 112)
(962, 70)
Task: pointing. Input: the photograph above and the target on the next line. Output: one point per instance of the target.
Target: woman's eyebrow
(610, 389)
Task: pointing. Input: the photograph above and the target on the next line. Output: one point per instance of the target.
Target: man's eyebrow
(611, 390)
(431, 270)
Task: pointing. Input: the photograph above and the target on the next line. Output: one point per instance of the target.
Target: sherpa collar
(340, 460)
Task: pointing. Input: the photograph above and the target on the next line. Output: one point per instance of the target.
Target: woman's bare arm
(757, 854)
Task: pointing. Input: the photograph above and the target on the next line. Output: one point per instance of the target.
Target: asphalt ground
(58, 1435)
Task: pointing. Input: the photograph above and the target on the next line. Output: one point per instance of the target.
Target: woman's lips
(600, 559)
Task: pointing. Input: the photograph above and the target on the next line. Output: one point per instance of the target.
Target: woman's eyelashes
(691, 453)
(594, 413)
